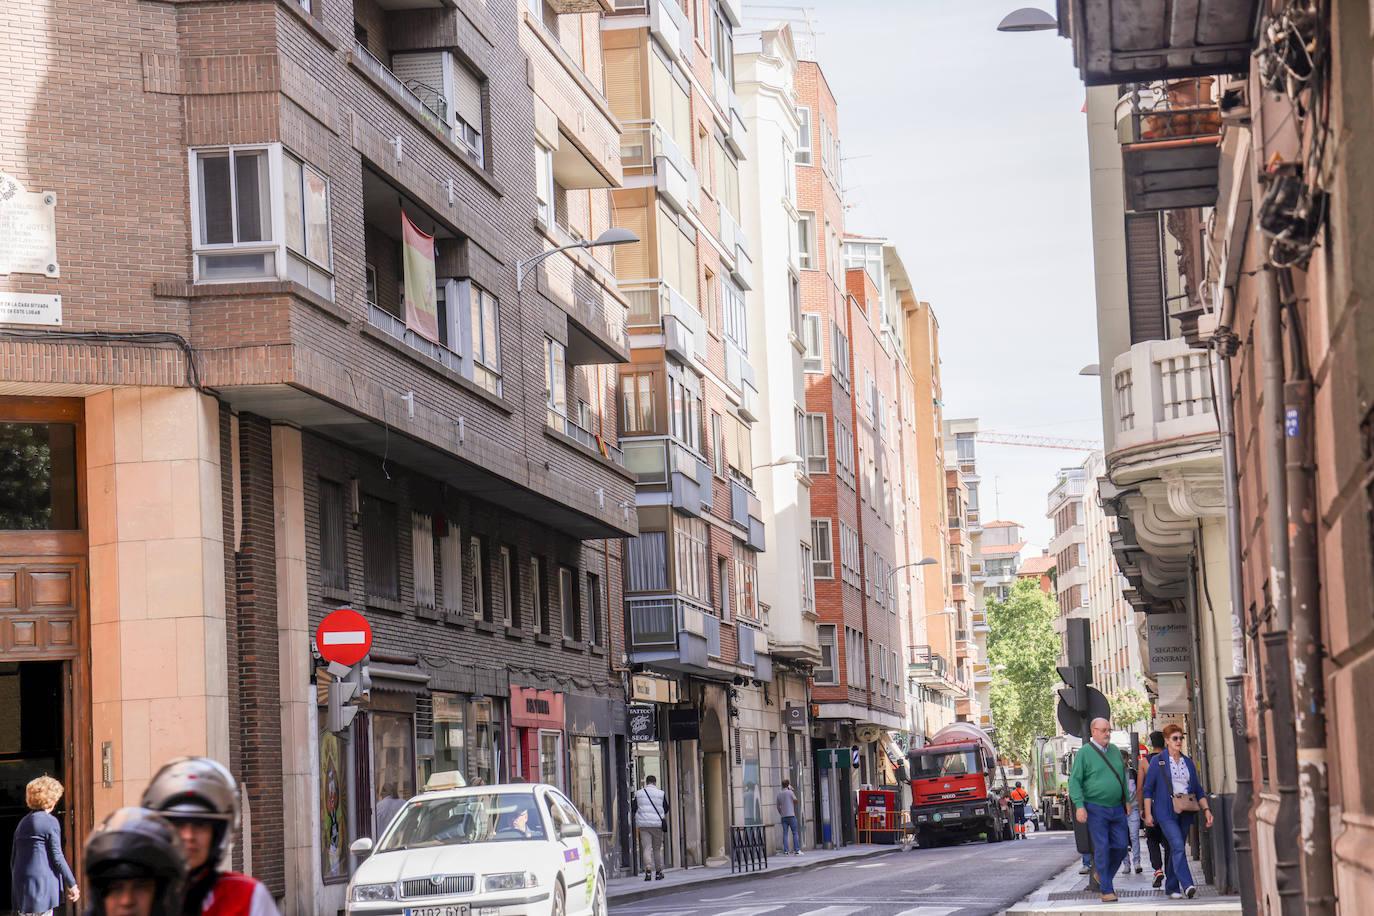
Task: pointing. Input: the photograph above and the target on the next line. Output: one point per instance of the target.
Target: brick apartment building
(239, 425)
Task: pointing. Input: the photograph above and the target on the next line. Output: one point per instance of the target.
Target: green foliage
(1022, 638)
(1129, 706)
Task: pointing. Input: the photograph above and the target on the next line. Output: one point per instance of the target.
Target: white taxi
(507, 850)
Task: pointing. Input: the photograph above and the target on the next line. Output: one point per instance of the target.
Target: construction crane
(992, 437)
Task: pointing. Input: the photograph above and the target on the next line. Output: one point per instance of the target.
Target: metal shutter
(1145, 277)
(467, 96)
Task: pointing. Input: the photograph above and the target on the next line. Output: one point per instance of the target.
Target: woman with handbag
(1173, 796)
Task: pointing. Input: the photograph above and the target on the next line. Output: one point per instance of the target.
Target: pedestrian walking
(1173, 796)
(1097, 788)
(787, 813)
(135, 865)
(39, 874)
(1133, 819)
(200, 798)
(388, 806)
(650, 810)
(1154, 837)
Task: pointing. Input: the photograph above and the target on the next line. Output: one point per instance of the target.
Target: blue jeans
(1177, 876)
(1107, 824)
(790, 824)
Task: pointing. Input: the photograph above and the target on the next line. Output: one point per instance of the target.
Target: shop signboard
(1170, 640)
(683, 725)
(643, 722)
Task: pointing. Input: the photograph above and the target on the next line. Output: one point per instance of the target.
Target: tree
(1024, 648)
(1129, 706)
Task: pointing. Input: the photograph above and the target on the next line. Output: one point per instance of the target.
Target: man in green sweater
(1097, 788)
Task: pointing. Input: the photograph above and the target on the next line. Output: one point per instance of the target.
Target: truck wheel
(994, 831)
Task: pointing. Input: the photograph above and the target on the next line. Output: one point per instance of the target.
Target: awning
(398, 678)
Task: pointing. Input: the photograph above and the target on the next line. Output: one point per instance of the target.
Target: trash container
(877, 816)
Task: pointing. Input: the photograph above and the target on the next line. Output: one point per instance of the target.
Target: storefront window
(749, 752)
(486, 742)
(587, 780)
(551, 758)
(37, 476)
(393, 753)
(449, 745)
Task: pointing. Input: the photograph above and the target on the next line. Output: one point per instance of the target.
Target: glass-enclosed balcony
(1170, 143)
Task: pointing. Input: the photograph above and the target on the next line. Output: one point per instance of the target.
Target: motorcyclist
(135, 865)
(200, 797)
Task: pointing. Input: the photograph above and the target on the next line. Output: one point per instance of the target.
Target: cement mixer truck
(958, 790)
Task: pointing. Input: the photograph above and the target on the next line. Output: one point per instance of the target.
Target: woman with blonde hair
(38, 870)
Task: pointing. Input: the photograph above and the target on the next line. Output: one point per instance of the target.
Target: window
(844, 452)
(684, 415)
(543, 168)
(333, 554)
(849, 555)
(555, 377)
(723, 586)
(691, 557)
(736, 325)
(422, 558)
(746, 582)
(804, 136)
(823, 566)
(486, 331)
(839, 354)
(449, 746)
(506, 571)
(551, 757)
(717, 445)
(637, 409)
(596, 600)
(824, 672)
(806, 241)
(646, 562)
(451, 569)
(825, 144)
(817, 457)
(808, 579)
(238, 194)
(569, 605)
(468, 116)
(813, 359)
(711, 299)
(378, 523)
(587, 780)
(789, 174)
(794, 305)
(481, 608)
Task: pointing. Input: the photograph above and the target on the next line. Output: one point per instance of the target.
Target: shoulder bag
(662, 821)
(1184, 802)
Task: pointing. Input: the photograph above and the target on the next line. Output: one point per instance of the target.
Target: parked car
(523, 848)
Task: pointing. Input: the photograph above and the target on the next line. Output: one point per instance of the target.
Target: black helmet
(197, 789)
(1018, 785)
(136, 843)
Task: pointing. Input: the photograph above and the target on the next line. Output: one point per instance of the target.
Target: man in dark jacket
(38, 870)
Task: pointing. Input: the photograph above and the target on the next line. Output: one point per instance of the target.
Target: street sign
(1076, 724)
(344, 637)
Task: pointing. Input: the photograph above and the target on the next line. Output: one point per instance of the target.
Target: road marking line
(751, 910)
(870, 865)
(731, 897)
(930, 911)
(833, 911)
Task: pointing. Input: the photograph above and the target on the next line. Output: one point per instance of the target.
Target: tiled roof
(1000, 525)
(1003, 550)
(1036, 566)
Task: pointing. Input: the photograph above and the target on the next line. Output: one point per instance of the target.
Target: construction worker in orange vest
(1019, 798)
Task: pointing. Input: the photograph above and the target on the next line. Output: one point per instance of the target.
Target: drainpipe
(1225, 344)
(1278, 688)
(1309, 687)
(1270, 327)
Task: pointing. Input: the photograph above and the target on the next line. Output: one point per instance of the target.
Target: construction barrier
(890, 827)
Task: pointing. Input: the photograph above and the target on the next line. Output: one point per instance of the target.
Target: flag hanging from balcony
(422, 311)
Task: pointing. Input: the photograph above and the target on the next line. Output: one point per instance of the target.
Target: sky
(966, 147)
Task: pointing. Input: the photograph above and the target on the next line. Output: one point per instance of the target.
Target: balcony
(426, 101)
(649, 156)
(1120, 41)
(930, 669)
(672, 632)
(669, 474)
(656, 305)
(982, 674)
(585, 437)
(1069, 488)
(746, 512)
(980, 622)
(753, 652)
(1162, 396)
(1170, 144)
(736, 244)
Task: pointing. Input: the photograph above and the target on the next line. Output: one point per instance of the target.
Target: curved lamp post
(612, 236)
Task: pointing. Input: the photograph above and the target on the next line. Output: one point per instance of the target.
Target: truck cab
(958, 791)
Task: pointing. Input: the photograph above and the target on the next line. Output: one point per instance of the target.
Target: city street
(975, 878)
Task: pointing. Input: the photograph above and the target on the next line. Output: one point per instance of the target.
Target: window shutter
(422, 558)
(426, 67)
(624, 86)
(1144, 277)
(467, 96)
(631, 261)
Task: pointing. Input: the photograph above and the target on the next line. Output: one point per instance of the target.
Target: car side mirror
(361, 846)
(570, 831)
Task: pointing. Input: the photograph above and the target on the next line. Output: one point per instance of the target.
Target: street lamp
(612, 236)
(1090, 369)
(1027, 19)
(925, 561)
(785, 459)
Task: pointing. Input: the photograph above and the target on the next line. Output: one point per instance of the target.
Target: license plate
(447, 909)
(953, 816)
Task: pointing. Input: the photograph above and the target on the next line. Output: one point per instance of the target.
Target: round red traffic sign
(344, 637)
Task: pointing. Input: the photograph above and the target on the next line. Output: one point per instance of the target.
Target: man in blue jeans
(787, 812)
(1098, 790)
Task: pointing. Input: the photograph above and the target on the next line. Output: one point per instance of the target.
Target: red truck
(957, 789)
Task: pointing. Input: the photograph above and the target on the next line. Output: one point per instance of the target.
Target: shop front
(537, 736)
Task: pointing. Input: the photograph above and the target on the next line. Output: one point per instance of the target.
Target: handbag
(1184, 802)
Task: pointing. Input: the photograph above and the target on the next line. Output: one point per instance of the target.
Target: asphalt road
(975, 878)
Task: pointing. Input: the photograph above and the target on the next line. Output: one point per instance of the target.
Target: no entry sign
(344, 637)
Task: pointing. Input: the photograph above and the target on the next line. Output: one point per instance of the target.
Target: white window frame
(817, 450)
(556, 377)
(813, 356)
(478, 591)
(567, 602)
(822, 549)
(804, 151)
(822, 632)
(543, 185)
(482, 364)
(507, 571)
(806, 256)
(808, 579)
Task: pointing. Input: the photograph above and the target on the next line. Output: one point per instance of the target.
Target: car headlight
(365, 892)
(511, 881)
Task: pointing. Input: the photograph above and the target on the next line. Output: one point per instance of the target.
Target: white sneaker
(1176, 896)
(1190, 892)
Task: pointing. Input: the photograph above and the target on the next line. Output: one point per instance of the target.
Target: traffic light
(348, 683)
(1076, 706)
(1075, 692)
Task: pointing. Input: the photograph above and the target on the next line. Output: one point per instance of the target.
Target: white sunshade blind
(467, 96)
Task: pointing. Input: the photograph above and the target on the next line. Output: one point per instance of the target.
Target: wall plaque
(28, 229)
(30, 308)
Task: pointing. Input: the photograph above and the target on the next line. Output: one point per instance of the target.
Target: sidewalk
(627, 890)
(1067, 892)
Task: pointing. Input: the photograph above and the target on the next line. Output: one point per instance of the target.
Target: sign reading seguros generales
(1170, 640)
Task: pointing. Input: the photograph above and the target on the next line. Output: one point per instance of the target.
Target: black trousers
(1159, 847)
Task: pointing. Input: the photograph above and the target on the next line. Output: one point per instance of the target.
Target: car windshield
(486, 818)
(926, 766)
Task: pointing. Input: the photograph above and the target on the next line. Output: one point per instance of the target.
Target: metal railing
(388, 323)
(1168, 111)
(643, 143)
(436, 115)
(570, 428)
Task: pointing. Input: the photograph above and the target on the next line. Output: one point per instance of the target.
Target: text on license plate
(448, 909)
(953, 815)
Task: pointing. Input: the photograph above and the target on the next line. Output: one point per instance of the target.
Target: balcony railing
(1163, 392)
(1069, 488)
(656, 622)
(385, 321)
(1170, 134)
(647, 149)
(427, 102)
(568, 427)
